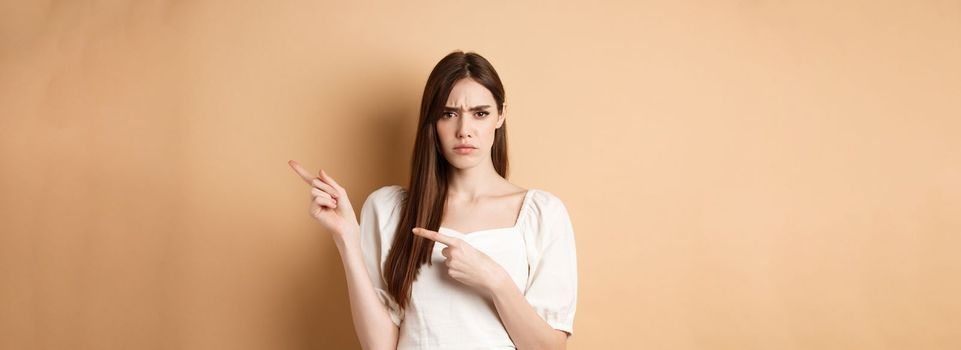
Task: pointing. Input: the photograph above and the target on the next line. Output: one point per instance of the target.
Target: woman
(464, 259)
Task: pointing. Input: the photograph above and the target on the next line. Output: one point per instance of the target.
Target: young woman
(464, 258)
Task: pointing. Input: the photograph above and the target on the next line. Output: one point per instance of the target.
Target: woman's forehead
(468, 93)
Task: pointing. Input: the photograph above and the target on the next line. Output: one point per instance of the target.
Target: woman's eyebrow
(475, 108)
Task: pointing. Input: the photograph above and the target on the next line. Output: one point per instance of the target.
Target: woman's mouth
(464, 150)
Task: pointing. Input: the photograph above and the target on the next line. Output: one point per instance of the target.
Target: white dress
(537, 252)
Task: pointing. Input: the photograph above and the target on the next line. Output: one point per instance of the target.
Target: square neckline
(517, 222)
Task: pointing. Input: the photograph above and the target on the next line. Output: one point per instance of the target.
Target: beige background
(741, 175)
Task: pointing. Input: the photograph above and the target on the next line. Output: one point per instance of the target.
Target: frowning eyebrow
(475, 108)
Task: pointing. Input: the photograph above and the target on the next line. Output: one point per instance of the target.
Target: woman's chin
(461, 164)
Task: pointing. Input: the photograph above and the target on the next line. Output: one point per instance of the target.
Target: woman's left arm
(526, 328)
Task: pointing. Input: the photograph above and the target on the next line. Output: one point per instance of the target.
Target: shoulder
(548, 222)
(386, 195)
(385, 200)
(546, 204)
(380, 213)
(547, 215)
(387, 192)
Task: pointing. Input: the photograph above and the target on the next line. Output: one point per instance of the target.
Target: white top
(537, 252)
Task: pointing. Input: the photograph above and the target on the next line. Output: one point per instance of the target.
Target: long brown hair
(427, 192)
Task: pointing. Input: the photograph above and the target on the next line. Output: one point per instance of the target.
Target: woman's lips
(464, 150)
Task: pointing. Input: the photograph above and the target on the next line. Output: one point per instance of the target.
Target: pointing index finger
(437, 236)
(304, 174)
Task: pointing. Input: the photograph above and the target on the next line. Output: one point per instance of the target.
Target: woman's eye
(448, 114)
(482, 114)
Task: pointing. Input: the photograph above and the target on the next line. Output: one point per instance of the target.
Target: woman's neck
(474, 182)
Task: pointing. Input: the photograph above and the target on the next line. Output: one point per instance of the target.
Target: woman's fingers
(437, 237)
(325, 202)
(313, 180)
(317, 193)
(317, 183)
(314, 191)
(326, 192)
(330, 180)
(304, 174)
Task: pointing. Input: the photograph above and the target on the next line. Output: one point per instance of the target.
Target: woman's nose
(463, 128)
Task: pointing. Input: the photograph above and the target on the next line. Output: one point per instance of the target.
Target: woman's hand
(329, 203)
(468, 265)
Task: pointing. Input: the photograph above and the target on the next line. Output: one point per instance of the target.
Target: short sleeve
(552, 290)
(379, 217)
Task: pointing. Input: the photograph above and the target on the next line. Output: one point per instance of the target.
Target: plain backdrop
(740, 174)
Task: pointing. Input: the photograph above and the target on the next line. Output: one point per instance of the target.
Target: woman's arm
(331, 207)
(526, 328)
(542, 316)
(372, 322)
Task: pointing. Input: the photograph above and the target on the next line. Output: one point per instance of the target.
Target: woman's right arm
(331, 207)
(371, 317)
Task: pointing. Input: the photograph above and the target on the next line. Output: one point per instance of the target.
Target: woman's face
(467, 124)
